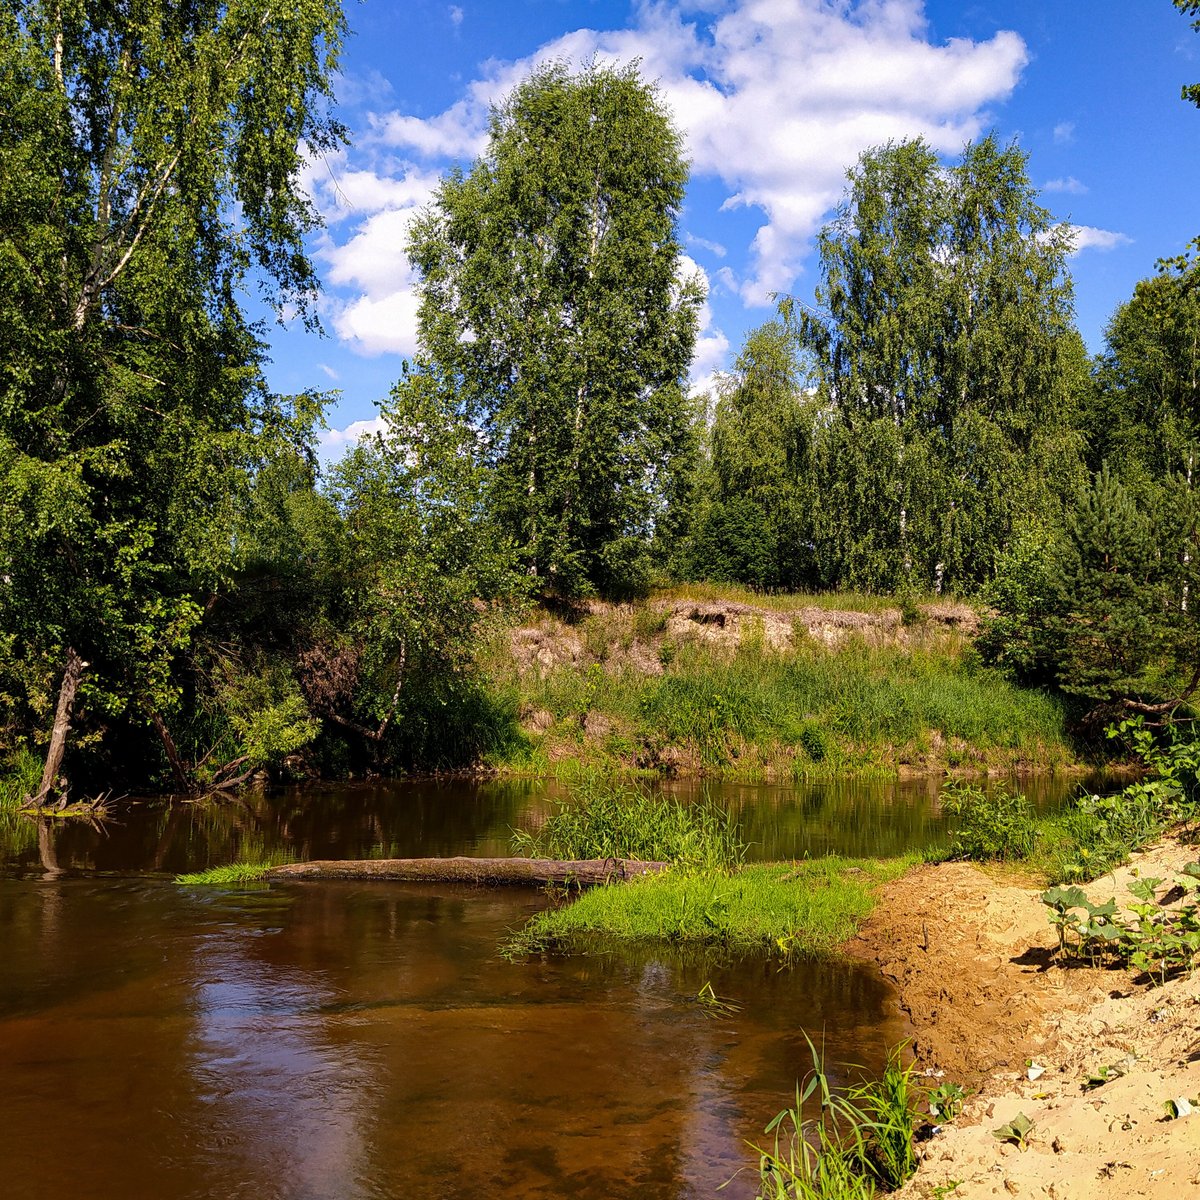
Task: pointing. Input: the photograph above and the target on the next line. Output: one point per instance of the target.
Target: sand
(973, 959)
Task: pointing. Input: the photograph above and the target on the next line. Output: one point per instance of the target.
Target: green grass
(799, 909)
(610, 819)
(229, 875)
(857, 1146)
(21, 777)
(812, 712)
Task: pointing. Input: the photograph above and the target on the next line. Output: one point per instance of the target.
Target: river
(334, 1041)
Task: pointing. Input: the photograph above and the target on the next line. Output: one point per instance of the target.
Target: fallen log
(471, 870)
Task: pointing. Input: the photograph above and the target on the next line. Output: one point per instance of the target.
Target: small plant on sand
(1016, 1132)
(1158, 934)
(946, 1101)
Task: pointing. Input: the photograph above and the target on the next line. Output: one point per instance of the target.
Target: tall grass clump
(858, 1143)
(609, 819)
(21, 777)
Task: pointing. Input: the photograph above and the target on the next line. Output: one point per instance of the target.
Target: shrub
(987, 826)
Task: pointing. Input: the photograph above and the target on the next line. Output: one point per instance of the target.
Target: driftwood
(471, 870)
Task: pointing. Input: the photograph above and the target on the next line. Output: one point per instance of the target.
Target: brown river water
(336, 1041)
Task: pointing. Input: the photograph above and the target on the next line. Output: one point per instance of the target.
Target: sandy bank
(972, 958)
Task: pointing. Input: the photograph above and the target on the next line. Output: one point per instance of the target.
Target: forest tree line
(186, 598)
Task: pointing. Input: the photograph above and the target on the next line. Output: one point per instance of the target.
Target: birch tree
(149, 163)
(554, 312)
(948, 367)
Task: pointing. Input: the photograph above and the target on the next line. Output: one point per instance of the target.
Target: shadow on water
(362, 1041)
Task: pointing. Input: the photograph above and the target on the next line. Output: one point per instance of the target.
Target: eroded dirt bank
(972, 958)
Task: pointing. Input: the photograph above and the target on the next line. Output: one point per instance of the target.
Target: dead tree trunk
(471, 870)
(182, 782)
(72, 674)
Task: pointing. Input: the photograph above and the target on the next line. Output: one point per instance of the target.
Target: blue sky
(776, 98)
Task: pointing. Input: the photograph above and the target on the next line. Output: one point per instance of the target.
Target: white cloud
(387, 325)
(775, 98)
(339, 439)
(1064, 132)
(712, 247)
(1088, 237)
(328, 371)
(1069, 184)
(456, 15)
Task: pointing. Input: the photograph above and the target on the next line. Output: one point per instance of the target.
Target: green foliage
(268, 714)
(149, 161)
(989, 825)
(948, 370)
(230, 875)
(751, 528)
(1016, 1131)
(20, 778)
(1156, 935)
(1191, 8)
(1100, 618)
(815, 710)
(945, 1101)
(856, 1144)
(786, 910)
(607, 819)
(552, 319)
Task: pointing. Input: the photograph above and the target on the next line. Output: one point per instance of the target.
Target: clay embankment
(550, 643)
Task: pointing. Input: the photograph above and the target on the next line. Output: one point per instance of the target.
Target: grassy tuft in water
(787, 909)
(613, 819)
(228, 875)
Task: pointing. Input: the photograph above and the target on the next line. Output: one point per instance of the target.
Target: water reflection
(278, 1094)
(410, 819)
(366, 1041)
(363, 1041)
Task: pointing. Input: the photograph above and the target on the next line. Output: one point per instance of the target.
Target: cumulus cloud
(1064, 133)
(1070, 184)
(775, 99)
(335, 440)
(456, 15)
(1087, 237)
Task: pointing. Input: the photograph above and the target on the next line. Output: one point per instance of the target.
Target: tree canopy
(554, 313)
(947, 366)
(149, 161)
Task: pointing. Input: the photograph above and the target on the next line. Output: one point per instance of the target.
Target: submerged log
(471, 870)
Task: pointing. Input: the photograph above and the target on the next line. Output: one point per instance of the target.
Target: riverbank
(767, 688)
(972, 955)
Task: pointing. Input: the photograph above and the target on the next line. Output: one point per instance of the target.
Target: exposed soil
(551, 642)
(973, 958)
